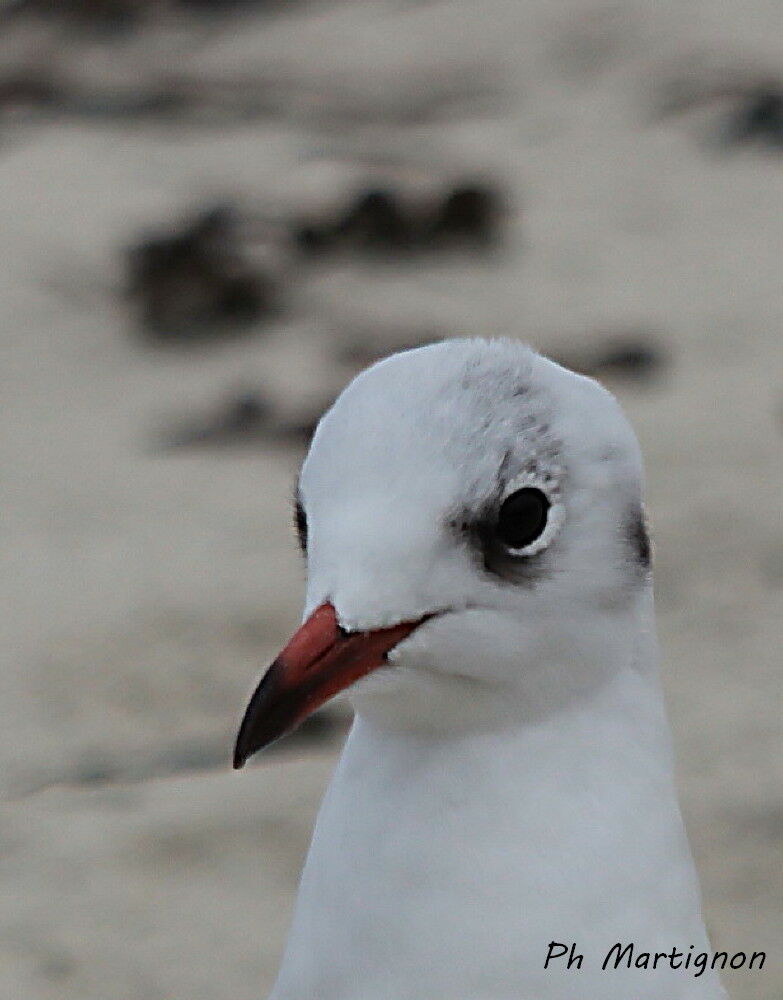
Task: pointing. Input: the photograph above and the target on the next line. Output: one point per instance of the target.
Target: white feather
(508, 779)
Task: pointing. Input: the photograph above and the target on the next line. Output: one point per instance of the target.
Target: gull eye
(522, 518)
(300, 523)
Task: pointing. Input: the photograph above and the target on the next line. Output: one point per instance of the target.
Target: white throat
(444, 862)
(508, 782)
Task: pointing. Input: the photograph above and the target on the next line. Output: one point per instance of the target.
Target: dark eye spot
(522, 518)
(300, 523)
(639, 538)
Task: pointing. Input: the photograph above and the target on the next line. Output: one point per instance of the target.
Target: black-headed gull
(478, 574)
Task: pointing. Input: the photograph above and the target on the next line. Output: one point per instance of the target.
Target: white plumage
(507, 781)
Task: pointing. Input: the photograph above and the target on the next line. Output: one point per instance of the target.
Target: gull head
(472, 522)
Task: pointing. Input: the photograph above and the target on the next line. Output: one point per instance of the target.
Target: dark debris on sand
(758, 118)
(246, 417)
(633, 357)
(89, 15)
(197, 281)
(111, 16)
(749, 108)
(380, 220)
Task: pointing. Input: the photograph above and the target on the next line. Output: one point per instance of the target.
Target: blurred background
(212, 215)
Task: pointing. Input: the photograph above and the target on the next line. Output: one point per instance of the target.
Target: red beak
(320, 660)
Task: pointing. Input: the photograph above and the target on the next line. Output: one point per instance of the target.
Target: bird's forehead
(446, 420)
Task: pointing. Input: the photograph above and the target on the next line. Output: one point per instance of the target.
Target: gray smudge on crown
(534, 453)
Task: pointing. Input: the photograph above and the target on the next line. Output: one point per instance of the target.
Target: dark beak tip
(249, 739)
(320, 660)
(245, 746)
